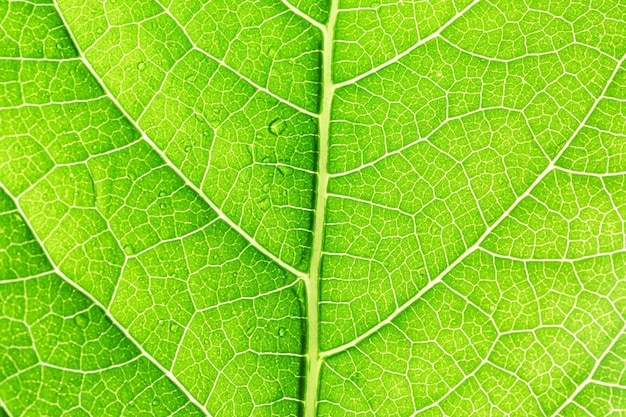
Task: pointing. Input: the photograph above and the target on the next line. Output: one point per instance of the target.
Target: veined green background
(332, 208)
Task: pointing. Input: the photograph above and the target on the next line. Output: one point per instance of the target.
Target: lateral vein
(96, 302)
(409, 50)
(486, 233)
(171, 165)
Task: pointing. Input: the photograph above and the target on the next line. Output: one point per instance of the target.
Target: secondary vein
(56, 269)
(477, 244)
(173, 166)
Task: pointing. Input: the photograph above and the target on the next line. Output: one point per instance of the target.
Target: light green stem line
(321, 193)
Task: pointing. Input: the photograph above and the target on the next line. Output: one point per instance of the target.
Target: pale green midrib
(55, 269)
(321, 195)
(173, 166)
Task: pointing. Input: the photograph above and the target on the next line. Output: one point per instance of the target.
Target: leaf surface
(316, 208)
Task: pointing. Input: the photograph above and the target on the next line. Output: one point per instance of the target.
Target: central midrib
(313, 353)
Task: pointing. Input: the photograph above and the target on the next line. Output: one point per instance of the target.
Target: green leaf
(314, 208)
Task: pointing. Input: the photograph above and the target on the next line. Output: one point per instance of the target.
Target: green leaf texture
(337, 208)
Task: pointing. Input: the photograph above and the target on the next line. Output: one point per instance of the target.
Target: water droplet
(266, 160)
(283, 170)
(187, 148)
(174, 327)
(163, 205)
(206, 133)
(99, 30)
(129, 249)
(141, 65)
(282, 332)
(359, 378)
(155, 401)
(81, 320)
(266, 188)
(162, 194)
(271, 52)
(274, 127)
(250, 330)
(265, 203)
(249, 152)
